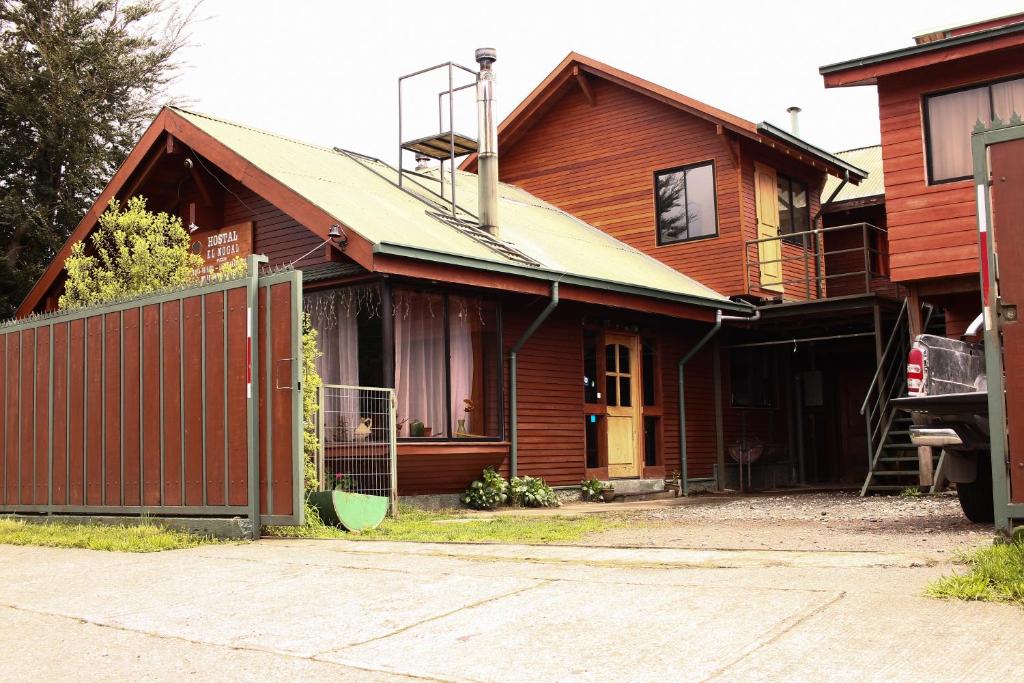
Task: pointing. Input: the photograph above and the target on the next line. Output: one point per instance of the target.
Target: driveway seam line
(436, 617)
(207, 643)
(794, 621)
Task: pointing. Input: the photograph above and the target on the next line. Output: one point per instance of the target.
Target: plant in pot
(607, 492)
(590, 489)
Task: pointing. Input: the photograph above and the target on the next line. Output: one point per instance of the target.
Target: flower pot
(608, 495)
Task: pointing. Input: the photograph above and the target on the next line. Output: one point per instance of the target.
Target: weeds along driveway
(281, 609)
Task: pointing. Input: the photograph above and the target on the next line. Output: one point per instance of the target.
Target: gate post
(253, 389)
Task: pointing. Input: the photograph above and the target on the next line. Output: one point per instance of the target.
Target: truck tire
(976, 497)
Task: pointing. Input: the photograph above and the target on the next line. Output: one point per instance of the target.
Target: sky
(326, 71)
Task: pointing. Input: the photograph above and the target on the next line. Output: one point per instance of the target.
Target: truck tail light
(915, 371)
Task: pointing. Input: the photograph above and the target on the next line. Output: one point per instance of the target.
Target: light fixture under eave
(334, 234)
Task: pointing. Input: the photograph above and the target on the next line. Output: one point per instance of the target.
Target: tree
(134, 252)
(79, 80)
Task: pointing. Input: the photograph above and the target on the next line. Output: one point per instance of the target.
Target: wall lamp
(334, 235)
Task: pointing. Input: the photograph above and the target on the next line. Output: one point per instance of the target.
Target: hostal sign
(218, 247)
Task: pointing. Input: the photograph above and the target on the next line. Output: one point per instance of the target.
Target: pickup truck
(947, 397)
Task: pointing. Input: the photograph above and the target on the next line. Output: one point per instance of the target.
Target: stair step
(899, 458)
(900, 446)
(900, 432)
(887, 487)
(895, 473)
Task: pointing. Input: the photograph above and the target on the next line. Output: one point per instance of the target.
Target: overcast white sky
(326, 71)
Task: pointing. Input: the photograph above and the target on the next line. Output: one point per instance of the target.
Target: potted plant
(608, 492)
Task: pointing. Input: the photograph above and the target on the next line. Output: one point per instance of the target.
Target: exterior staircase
(893, 464)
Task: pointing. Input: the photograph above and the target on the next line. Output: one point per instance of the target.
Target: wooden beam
(729, 144)
(140, 178)
(201, 185)
(584, 83)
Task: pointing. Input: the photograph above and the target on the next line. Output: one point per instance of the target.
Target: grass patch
(911, 492)
(456, 526)
(142, 538)
(996, 575)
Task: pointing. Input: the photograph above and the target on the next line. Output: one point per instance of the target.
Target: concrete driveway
(284, 610)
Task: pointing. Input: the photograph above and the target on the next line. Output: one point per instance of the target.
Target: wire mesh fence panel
(357, 441)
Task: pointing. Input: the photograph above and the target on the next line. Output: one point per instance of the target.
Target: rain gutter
(514, 387)
(684, 480)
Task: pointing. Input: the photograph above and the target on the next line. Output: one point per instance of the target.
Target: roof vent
(794, 120)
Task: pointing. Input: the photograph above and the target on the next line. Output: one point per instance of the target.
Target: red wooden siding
(932, 228)
(276, 235)
(598, 163)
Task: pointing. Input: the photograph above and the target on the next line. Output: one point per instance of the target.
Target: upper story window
(950, 117)
(685, 200)
(794, 209)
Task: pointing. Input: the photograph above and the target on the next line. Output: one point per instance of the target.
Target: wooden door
(622, 391)
(769, 253)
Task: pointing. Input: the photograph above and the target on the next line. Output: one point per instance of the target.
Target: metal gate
(358, 447)
(999, 181)
(152, 406)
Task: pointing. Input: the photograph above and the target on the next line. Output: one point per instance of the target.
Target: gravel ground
(808, 521)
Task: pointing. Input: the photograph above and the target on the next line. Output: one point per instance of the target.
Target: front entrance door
(622, 371)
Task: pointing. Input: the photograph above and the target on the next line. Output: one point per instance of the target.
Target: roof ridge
(858, 149)
(245, 126)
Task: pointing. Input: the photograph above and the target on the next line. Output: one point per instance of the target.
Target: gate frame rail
(252, 282)
(1005, 511)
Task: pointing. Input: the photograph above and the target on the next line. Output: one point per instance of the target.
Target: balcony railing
(816, 264)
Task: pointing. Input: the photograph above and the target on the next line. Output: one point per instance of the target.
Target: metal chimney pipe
(487, 152)
(794, 120)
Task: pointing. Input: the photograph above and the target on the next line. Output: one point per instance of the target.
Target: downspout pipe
(513, 384)
(719, 319)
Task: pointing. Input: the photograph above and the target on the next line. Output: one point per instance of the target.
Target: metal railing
(358, 446)
(889, 382)
(818, 263)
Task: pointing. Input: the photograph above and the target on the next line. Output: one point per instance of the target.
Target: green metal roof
(544, 242)
(923, 48)
(868, 158)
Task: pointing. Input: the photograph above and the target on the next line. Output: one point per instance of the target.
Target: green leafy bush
(486, 493)
(591, 489)
(532, 492)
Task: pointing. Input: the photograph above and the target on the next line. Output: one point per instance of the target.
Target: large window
(447, 366)
(950, 118)
(794, 210)
(685, 199)
(752, 378)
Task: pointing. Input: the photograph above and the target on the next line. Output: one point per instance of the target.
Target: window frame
(657, 203)
(445, 293)
(773, 394)
(925, 118)
(793, 237)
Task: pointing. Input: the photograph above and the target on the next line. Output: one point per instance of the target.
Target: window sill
(452, 447)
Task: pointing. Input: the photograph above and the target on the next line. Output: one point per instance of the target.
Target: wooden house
(412, 295)
(777, 222)
(930, 97)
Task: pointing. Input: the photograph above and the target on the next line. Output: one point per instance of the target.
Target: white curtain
(419, 361)
(460, 340)
(1008, 98)
(951, 118)
(334, 317)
